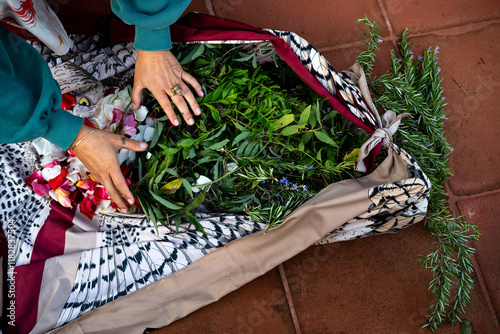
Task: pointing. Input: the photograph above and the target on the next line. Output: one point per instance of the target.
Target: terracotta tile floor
(376, 285)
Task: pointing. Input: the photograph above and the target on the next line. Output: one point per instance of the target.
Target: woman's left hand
(159, 71)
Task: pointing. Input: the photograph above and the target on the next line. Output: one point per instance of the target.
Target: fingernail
(130, 201)
(190, 121)
(200, 93)
(197, 111)
(176, 122)
(143, 145)
(124, 210)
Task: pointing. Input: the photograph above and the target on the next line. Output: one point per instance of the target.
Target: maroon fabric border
(49, 243)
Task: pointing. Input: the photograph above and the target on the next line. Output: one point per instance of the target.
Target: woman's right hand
(98, 152)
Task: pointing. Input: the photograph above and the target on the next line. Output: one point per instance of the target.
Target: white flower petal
(200, 182)
(104, 206)
(123, 155)
(141, 113)
(231, 166)
(73, 177)
(148, 134)
(50, 173)
(131, 156)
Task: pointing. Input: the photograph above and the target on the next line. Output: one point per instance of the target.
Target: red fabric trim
(28, 280)
(51, 238)
(49, 243)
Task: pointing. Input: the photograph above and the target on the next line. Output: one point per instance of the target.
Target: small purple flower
(263, 181)
(420, 58)
(435, 118)
(443, 98)
(284, 180)
(437, 47)
(410, 52)
(397, 59)
(458, 271)
(439, 68)
(311, 167)
(441, 87)
(451, 151)
(379, 41)
(295, 187)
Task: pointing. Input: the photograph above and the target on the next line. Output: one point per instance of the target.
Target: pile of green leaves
(412, 85)
(266, 141)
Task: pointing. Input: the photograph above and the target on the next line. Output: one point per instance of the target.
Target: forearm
(152, 20)
(30, 97)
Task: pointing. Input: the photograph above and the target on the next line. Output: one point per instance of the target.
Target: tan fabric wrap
(228, 268)
(357, 75)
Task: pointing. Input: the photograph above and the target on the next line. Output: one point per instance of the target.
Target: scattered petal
(201, 181)
(231, 166)
(141, 113)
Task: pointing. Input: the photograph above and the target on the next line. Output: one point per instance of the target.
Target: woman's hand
(159, 71)
(98, 152)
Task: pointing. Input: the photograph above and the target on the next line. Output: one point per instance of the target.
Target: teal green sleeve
(30, 98)
(152, 20)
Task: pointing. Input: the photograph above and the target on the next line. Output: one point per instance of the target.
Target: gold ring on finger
(176, 90)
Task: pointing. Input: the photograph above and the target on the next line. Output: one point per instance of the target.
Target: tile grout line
(210, 7)
(392, 37)
(289, 299)
(473, 196)
(453, 204)
(457, 30)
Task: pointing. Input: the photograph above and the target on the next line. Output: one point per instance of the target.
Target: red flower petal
(88, 206)
(88, 123)
(68, 101)
(59, 179)
(100, 193)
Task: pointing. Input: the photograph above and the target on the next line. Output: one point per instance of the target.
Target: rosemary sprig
(413, 86)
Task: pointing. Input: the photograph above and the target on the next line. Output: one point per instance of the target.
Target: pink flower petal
(52, 164)
(41, 189)
(36, 176)
(87, 184)
(117, 115)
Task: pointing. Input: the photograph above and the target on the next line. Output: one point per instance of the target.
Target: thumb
(137, 95)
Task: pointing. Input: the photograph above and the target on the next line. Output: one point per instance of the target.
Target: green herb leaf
(304, 116)
(325, 138)
(219, 145)
(165, 203)
(172, 186)
(283, 121)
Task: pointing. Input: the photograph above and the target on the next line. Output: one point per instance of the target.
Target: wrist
(84, 132)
